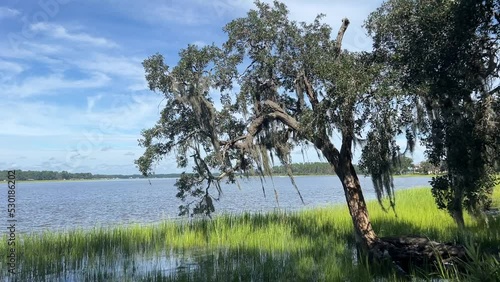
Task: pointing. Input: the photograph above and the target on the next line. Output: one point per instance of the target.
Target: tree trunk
(458, 216)
(365, 235)
(456, 211)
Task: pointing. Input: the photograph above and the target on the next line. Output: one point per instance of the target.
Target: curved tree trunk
(403, 252)
(342, 163)
(365, 235)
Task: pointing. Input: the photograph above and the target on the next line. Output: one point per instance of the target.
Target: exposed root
(408, 252)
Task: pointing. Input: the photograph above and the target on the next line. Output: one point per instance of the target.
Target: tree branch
(270, 110)
(332, 154)
(313, 99)
(340, 35)
(311, 94)
(496, 89)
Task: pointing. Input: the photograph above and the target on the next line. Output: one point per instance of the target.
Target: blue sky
(72, 87)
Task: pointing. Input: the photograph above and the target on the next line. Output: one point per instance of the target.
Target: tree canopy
(283, 85)
(446, 54)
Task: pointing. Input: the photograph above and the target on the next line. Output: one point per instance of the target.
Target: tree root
(408, 252)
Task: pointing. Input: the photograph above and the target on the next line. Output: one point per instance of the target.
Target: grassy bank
(311, 245)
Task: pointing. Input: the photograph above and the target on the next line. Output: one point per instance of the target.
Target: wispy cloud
(8, 70)
(42, 48)
(118, 117)
(30, 52)
(106, 148)
(187, 13)
(200, 43)
(6, 12)
(52, 85)
(169, 13)
(77, 139)
(356, 11)
(140, 111)
(60, 32)
(117, 66)
(91, 101)
(72, 91)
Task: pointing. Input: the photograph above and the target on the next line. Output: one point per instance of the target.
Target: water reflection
(133, 257)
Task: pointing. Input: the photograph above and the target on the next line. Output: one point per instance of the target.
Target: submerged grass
(309, 245)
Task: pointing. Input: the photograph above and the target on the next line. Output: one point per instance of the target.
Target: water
(85, 204)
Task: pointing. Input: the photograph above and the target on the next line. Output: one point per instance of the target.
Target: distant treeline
(316, 168)
(64, 175)
(306, 168)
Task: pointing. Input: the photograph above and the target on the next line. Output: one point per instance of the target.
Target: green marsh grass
(309, 245)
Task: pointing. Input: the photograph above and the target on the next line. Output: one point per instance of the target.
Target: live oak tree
(282, 85)
(447, 56)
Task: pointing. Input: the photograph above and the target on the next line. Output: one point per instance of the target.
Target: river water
(66, 205)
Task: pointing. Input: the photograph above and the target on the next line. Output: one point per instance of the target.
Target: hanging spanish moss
(379, 156)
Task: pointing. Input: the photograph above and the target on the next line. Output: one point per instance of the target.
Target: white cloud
(91, 102)
(138, 86)
(42, 127)
(182, 15)
(200, 43)
(356, 11)
(77, 139)
(225, 10)
(178, 12)
(127, 113)
(94, 161)
(119, 66)
(8, 13)
(41, 48)
(30, 51)
(60, 32)
(51, 85)
(8, 70)
(36, 119)
(123, 116)
(106, 148)
(59, 58)
(188, 13)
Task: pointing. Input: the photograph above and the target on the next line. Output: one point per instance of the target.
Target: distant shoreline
(86, 180)
(173, 177)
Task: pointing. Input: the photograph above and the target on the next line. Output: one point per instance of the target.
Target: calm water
(85, 204)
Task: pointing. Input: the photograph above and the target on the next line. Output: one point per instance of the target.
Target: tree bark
(457, 212)
(365, 235)
(341, 162)
(458, 216)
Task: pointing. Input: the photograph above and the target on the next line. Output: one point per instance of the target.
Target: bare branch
(246, 69)
(496, 89)
(310, 92)
(340, 35)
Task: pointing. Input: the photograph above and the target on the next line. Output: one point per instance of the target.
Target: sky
(72, 87)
